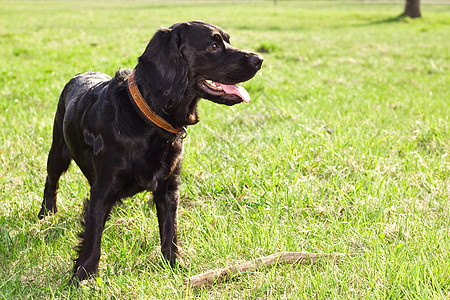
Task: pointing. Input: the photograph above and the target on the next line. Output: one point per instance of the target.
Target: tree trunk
(412, 9)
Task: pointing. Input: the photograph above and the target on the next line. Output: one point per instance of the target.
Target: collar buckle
(182, 134)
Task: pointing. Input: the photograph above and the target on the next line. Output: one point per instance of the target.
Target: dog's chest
(155, 166)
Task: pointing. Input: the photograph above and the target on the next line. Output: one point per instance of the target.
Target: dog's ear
(162, 69)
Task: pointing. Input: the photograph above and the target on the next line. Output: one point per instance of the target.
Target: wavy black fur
(120, 155)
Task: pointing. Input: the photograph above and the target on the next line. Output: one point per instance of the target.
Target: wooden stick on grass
(282, 258)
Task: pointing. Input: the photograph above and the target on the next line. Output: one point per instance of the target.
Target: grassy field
(343, 148)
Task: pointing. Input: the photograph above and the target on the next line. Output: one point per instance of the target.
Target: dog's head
(214, 65)
(195, 59)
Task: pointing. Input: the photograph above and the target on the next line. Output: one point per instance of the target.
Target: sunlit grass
(343, 148)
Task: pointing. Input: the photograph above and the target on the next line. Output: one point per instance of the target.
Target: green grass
(343, 148)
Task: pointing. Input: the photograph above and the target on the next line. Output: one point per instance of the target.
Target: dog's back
(79, 85)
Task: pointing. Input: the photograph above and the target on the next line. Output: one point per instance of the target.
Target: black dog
(126, 133)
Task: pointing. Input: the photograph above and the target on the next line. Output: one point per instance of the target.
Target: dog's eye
(213, 47)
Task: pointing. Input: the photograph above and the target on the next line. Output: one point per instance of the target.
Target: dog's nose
(256, 60)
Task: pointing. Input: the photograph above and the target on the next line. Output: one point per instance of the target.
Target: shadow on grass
(398, 19)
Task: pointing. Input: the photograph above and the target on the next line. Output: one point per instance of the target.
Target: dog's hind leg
(96, 212)
(58, 162)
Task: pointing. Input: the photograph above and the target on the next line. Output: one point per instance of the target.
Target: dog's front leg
(96, 212)
(166, 201)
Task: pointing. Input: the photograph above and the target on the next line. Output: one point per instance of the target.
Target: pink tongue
(236, 90)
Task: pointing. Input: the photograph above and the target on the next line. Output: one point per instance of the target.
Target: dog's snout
(256, 60)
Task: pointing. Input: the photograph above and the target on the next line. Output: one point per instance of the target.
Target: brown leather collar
(147, 113)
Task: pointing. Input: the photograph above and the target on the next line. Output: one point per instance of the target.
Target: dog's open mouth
(220, 89)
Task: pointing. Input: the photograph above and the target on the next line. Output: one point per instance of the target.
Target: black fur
(120, 155)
